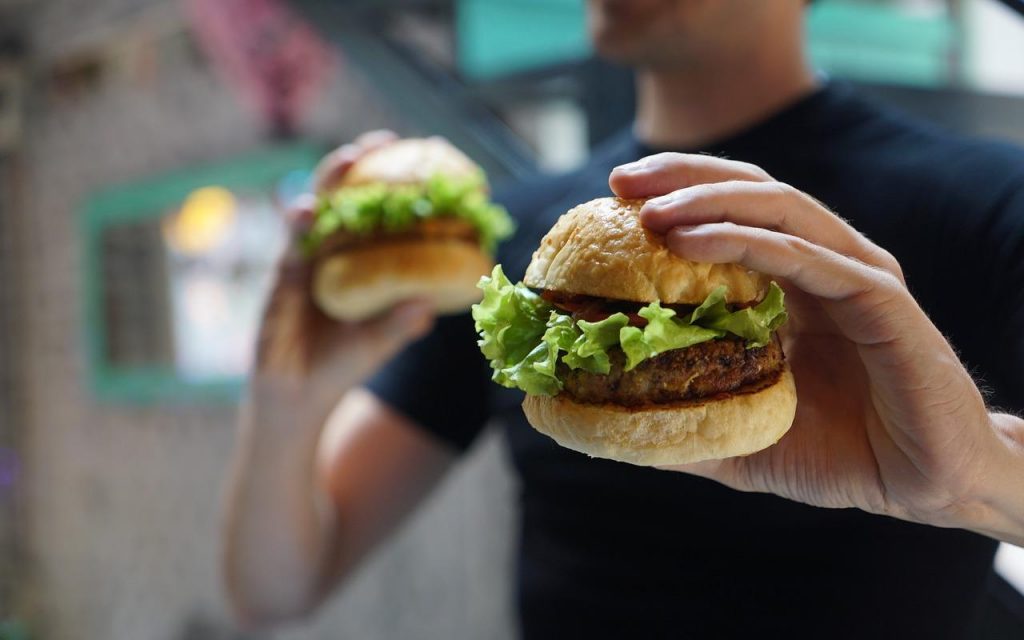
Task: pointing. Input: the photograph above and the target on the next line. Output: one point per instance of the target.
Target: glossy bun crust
(599, 248)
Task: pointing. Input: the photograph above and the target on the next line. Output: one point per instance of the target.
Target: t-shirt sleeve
(440, 382)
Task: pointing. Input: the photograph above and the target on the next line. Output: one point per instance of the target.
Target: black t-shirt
(610, 550)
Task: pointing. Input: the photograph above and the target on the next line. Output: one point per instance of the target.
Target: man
(889, 421)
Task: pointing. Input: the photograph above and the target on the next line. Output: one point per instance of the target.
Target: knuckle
(783, 191)
(802, 249)
(889, 285)
(754, 171)
(890, 264)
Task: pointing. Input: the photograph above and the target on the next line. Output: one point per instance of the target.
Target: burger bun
(659, 435)
(365, 280)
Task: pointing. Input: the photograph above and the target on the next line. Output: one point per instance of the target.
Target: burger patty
(701, 371)
(439, 228)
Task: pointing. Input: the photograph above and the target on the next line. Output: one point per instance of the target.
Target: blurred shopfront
(146, 147)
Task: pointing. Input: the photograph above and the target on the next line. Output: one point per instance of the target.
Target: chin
(643, 33)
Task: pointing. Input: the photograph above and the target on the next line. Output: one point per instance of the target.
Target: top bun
(410, 161)
(599, 248)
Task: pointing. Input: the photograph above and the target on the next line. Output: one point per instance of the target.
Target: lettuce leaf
(755, 324)
(664, 332)
(371, 207)
(590, 349)
(525, 338)
(512, 322)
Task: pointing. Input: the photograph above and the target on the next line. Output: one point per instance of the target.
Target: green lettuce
(525, 338)
(755, 324)
(664, 332)
(589, 351)
(513, 322)
(371, 207)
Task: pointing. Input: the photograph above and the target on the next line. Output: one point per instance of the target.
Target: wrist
(1000, 499)
(277, 398)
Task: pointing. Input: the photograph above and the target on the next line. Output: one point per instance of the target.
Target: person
(876, 516)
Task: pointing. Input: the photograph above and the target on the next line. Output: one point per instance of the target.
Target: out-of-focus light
(202, 222)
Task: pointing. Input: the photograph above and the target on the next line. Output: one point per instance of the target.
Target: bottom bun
(363, 281)
(738, 425)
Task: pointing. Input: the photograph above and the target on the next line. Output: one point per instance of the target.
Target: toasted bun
(599, 248)
(734, 426)
(410, 161)
(365, 280)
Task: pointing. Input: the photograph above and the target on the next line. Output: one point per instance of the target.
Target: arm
(305, 501)
(888, 419)
(290, 535)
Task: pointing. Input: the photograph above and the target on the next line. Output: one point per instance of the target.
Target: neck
(689, 107)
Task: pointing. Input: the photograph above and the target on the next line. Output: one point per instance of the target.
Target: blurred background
(145, 149)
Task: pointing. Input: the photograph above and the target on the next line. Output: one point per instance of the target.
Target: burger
(627, 351)
(411, 219)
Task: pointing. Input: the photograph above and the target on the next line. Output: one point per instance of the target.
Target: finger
(910, 366)
(408, 319)
(666, 172)
(289, 293)
(375, 139)
(368, 344)
(335, 164)
(333, 167)
(286, 317)
(299, 217)
(721, 471)
(869, 305)
(769, 205)
(301, 213)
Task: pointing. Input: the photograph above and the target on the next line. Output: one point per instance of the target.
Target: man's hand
(302, 354)
(888, 420)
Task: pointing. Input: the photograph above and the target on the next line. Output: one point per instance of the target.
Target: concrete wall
(123, 502)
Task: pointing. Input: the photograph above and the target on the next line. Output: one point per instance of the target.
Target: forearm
(276, 531)
(1002, 513)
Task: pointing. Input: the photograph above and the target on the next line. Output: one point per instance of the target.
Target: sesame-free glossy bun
(365, 280)
(739, 424)
(410, 161)
(599, 248)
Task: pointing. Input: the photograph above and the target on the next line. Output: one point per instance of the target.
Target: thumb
(406, 321)
(368, 345)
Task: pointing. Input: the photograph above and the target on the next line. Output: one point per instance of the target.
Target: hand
(888, 420)
(302, 354)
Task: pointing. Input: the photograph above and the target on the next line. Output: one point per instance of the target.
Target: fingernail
(630, 168)
(660, 201)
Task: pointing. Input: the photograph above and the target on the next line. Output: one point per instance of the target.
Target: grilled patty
(707, 369)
